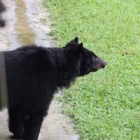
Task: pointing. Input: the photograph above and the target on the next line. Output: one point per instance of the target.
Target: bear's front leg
(32, 127)
(16, 123)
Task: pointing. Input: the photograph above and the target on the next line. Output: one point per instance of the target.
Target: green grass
(104, 105)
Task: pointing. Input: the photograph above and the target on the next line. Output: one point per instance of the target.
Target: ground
(27, 22)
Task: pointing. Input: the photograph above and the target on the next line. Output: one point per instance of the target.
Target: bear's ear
(76, 39)
(80, 47)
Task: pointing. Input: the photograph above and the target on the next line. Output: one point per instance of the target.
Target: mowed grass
(104, 105)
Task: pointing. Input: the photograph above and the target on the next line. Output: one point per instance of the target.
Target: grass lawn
(104, 105)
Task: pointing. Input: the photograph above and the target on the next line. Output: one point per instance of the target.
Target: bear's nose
(104, 63)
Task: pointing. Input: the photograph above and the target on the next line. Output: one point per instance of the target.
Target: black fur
(34, 74)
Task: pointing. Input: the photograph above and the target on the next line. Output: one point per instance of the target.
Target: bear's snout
(103, 63)
(99, 63)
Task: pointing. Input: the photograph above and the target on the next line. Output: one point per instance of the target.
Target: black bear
(33, 74)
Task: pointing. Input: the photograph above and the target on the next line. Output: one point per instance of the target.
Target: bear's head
(89, 62)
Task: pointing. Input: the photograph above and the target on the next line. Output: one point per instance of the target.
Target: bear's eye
(90, 61)
(94, 56)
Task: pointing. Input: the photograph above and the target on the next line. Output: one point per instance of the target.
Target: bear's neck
(66, 68)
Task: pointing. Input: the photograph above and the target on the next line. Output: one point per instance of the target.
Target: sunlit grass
(103, 105)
